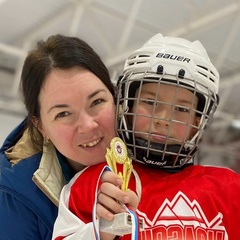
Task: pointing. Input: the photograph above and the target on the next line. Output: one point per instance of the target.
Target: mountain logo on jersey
(182, 219)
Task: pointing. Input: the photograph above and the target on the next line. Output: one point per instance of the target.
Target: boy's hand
(110, 197)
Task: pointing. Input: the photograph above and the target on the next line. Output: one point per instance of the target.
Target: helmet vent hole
(160, 69)
(203, 74)
(202, 67)
(181, 73)
(144, 56)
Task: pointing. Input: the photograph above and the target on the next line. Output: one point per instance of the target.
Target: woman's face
(77, 114)
(172, 114)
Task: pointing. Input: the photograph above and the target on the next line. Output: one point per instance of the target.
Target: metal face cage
(154, 144)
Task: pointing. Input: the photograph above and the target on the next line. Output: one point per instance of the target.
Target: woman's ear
(34, 121)
(37, 124)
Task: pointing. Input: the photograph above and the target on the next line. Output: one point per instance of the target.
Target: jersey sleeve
(74, 219)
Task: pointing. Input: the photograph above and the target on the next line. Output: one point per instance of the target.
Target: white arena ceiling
(114, 28)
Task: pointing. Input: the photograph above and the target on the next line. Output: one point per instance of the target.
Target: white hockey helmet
(166, 60)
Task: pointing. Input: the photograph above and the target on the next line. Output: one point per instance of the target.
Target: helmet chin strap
(159, 156)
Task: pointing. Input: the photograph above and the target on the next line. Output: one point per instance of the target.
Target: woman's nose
(86, 123)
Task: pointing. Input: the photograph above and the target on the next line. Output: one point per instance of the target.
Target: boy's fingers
(114, 192)
(111, 177)
(102, 212)
(107, 207)
(133, 200)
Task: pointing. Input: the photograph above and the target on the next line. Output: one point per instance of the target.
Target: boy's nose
(162, 116)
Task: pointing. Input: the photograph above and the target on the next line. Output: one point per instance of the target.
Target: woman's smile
(91, 144)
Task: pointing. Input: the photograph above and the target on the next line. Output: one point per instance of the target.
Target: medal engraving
(118, 154)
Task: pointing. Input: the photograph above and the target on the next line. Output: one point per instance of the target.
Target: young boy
(166, 97)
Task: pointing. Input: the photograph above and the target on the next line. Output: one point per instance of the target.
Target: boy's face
(167, 112)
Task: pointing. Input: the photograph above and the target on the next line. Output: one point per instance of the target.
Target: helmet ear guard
(176, 62)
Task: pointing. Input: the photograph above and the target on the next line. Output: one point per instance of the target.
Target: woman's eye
(62, 114)
(97, 101)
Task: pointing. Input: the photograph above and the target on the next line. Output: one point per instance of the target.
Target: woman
(70, 103)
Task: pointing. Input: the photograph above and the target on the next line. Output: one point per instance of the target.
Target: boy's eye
(182, 109)
(149, 101)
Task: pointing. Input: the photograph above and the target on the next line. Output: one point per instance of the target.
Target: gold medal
(122, 223)
(118, 154)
